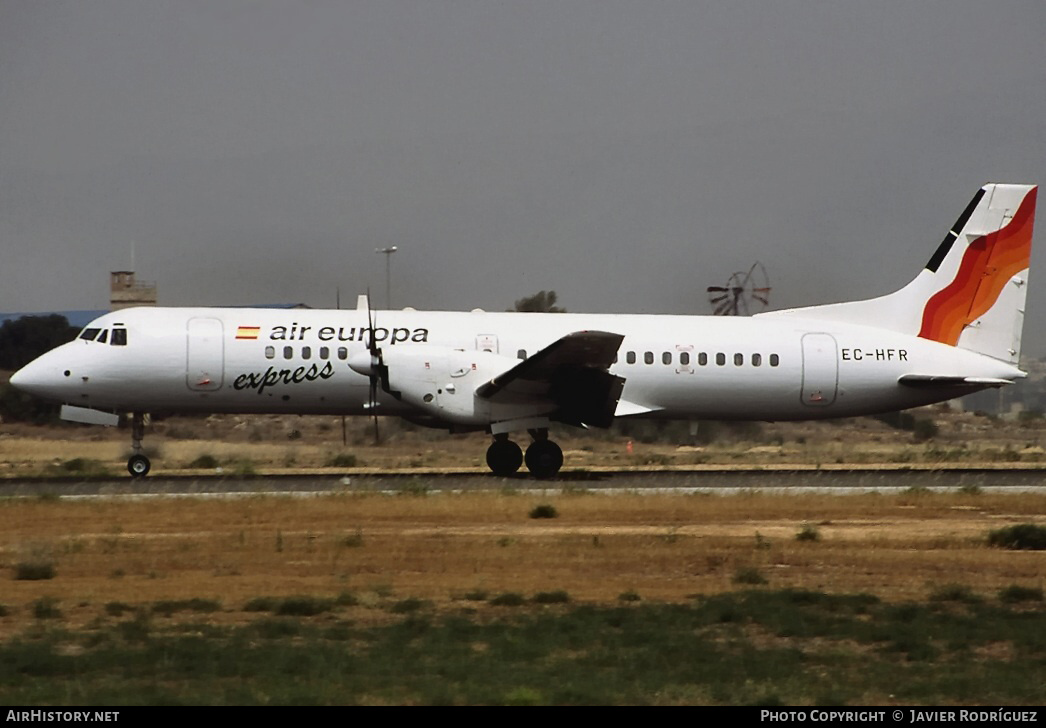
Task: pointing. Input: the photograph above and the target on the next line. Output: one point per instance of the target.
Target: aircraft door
(205, 359)
(487, 342)
(820, 370)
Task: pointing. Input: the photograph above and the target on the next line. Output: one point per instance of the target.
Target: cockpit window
(89, 334)
(119, 337)
(102, 336)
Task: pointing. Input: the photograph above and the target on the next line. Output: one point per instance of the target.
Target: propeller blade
(376, 364)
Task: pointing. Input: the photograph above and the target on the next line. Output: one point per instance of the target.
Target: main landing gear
(138, 465)
(544, 457)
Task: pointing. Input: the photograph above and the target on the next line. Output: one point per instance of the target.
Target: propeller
(344, 427)
(371, 364)
(376, 366)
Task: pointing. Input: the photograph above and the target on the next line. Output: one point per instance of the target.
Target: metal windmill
(744, 293)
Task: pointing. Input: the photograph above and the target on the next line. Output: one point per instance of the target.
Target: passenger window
(288, 352)
(630, 357)
(684, 358)
(270, 352)
(648, 357)
(119, 337)
(306, 352)
(325, 353)
(103, 336)
(720, 358)
(89, 334)
(343, 353)
(774, 360)
(739, 359)
(666, 358)
(521, 354)
(757, 359)
(702, 359)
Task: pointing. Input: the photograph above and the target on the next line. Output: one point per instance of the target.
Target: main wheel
(544, 459)
(138, 466)
(504, 457)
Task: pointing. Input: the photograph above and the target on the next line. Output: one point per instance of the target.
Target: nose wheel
(138, 465)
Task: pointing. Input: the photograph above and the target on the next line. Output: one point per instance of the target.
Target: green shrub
(37, 570)
(954, 593)
(346, 599)
(117, 609)
(508, 599)
(168, 607)
(261, 604)
(303, 606)
(1022, 537)
(552, 597)
(924, 430)
(411, 604)
(1016, 593)
(808, 533)
(342, 460)
(545, 510)
(205, 462)
(46, 608)
(749, 575)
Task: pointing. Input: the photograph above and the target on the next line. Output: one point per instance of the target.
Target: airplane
(954, 329)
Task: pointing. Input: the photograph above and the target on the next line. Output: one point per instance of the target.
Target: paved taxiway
(797, 480)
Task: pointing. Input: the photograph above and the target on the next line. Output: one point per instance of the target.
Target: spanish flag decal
(248, 333)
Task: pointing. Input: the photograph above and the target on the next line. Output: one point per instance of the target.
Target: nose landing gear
(138, 464)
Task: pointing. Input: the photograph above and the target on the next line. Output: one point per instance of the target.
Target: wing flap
(574, 372)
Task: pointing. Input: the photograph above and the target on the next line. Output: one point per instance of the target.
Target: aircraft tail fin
(971, 293)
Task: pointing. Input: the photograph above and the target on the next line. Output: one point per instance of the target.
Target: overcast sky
(624, 154)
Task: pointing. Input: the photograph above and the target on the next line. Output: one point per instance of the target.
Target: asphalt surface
(799, 480)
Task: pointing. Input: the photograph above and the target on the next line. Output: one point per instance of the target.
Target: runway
(794, 480)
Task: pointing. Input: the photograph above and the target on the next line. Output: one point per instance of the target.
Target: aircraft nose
(26, 379)
(37, 378)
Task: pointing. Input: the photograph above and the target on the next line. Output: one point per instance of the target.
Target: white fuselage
(675, 367)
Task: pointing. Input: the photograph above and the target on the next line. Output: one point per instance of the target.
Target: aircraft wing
(573, 372)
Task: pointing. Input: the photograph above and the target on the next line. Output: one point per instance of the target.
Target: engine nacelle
(442, 382)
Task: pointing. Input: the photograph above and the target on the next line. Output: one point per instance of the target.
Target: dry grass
(439, 547)
(271, 442)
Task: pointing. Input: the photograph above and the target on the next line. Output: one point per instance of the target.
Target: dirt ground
(447, 549)
(444, 548)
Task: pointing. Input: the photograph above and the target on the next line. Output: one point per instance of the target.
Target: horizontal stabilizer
(945, 380)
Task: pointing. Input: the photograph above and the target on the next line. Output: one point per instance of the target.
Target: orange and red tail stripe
(987, 265)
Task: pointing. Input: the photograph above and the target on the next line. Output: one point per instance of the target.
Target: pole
(388, 273)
